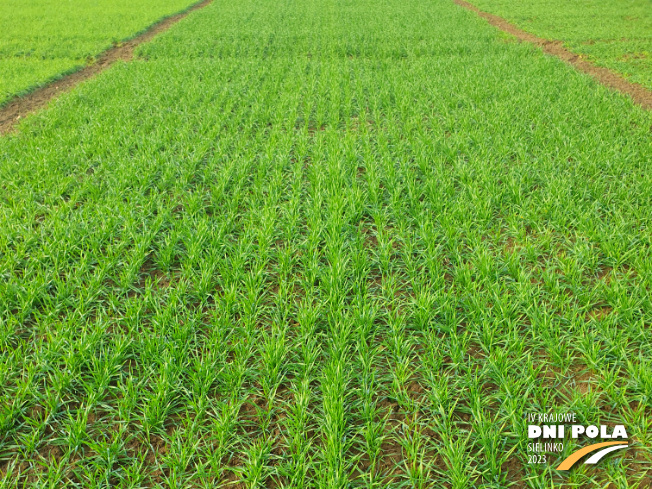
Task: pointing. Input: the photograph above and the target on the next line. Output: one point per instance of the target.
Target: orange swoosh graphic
(575, 456)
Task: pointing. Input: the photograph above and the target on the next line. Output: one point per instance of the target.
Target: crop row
(325, 244)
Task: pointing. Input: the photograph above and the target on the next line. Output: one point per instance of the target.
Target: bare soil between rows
(21, 106)
(639, 94)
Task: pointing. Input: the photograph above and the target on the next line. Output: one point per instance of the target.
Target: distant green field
(613, 34)
(325, 244)
(41, 39)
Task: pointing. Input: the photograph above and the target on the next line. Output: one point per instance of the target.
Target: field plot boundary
(639, 94)
(22, 105)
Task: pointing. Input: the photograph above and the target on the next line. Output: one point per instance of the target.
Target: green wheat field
(324, 244)
(41, 40)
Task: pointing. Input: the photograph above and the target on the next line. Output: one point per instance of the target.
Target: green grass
(326, 244)
(43, 39)
(612, 34)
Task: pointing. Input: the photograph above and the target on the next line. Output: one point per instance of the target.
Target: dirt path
(638, 93)
(21, 106)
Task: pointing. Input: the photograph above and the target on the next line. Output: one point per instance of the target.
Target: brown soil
(21, 106)
(638, 93)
